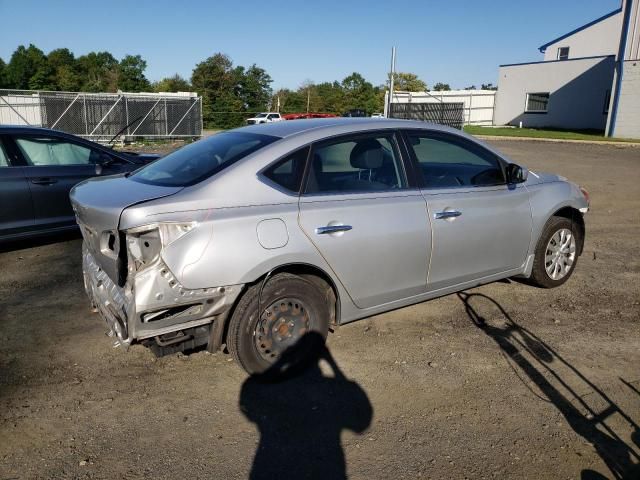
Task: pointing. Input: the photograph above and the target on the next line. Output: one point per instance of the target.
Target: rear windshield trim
(264, 141)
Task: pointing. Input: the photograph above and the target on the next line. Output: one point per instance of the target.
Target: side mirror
(516, 174)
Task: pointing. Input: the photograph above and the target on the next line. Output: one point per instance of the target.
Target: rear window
(201, 160)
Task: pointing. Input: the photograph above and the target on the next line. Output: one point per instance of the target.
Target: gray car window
(288, 172)
(44, 151)
(200, 160)
(362, 164)
(4, 159)
(447, 162)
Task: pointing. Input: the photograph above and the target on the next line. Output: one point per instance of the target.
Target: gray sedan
(258, 236)
(38, 168)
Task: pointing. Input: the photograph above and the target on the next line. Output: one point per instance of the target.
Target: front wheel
(556, 254)
(291, 308)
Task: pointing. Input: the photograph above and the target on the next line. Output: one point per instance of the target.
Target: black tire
(246, 327)
(539, 275)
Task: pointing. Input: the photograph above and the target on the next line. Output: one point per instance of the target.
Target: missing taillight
(585, 194)
(111, 242)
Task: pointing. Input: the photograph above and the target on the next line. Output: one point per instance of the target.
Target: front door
(481, 225)
(53, 167)
(16, 208)
(369, 226)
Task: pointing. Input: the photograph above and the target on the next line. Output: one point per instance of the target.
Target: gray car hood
(535, 178)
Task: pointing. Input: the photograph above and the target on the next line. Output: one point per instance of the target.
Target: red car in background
(297, 116)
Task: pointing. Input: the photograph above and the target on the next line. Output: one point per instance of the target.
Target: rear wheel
(291, 308)
(556, 253)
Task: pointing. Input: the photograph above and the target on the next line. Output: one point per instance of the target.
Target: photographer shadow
(534, 360)
(300, 413)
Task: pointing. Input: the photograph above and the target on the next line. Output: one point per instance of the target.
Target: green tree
(472, 87)
(25, 63)
(3, 67)
(359, 94)
(98, 72)
(63, 69)
(255, 88)
(290, 101)
(331, 98)
(489, 86)
(131, 74)
(172, 84)
(441, 87)
(408, 82)
(218, 83)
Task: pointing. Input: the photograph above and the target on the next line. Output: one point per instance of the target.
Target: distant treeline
(229, 92)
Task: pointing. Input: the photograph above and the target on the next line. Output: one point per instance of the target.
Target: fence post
(126, 112)
(202, 121)
(166, 118)
(86, 118)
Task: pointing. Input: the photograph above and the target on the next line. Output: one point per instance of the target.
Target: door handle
(447, 214)
(333, 229)
(43, 181)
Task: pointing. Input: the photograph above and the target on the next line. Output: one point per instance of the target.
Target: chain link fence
(103, 116)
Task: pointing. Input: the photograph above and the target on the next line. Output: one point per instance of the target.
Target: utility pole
(391, 81)
(308, 96)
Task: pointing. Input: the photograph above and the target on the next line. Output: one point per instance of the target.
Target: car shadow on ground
(553, 379)
(39, 241)
(301, 412)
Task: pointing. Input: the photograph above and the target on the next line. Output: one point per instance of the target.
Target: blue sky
(456, 42)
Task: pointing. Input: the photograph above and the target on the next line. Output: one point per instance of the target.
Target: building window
(607, 100)
(537, 102)
(563, 53)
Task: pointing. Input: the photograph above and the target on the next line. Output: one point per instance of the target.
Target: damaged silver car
(253, 237)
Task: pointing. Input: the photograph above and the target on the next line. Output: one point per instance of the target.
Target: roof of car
(32, 129)
(292, 127)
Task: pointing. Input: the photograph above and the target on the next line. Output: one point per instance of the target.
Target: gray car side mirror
(516, 173)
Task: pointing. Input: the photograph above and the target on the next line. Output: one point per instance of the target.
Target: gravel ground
(504, 381)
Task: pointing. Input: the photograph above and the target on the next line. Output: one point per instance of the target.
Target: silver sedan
(257, 237)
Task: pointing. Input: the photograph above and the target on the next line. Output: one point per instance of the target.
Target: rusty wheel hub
(281, 325)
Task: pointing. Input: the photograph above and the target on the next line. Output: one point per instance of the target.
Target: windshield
(260, 115)
(202, 159)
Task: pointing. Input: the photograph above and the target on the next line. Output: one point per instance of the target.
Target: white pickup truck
(266, 117)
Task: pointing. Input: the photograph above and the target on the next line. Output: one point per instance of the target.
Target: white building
(589, 79)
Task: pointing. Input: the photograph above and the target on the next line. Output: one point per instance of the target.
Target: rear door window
(200, 160)
(365, 163)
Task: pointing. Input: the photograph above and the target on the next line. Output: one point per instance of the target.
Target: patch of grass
(544, 133)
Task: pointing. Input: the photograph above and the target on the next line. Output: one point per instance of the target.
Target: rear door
(365, 219)
(481, 225)
(16, 208)
(53, 165)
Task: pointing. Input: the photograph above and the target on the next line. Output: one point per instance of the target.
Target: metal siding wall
(632, 51)
(602, 38)
(577, 87)
(628, 118)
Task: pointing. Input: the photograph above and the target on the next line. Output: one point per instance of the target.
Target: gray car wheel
(290, 308)
(556, 253)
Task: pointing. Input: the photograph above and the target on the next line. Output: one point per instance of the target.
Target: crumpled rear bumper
(152, 303)
(109, 299)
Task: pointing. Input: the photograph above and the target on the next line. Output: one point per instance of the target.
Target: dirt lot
(547, 387)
